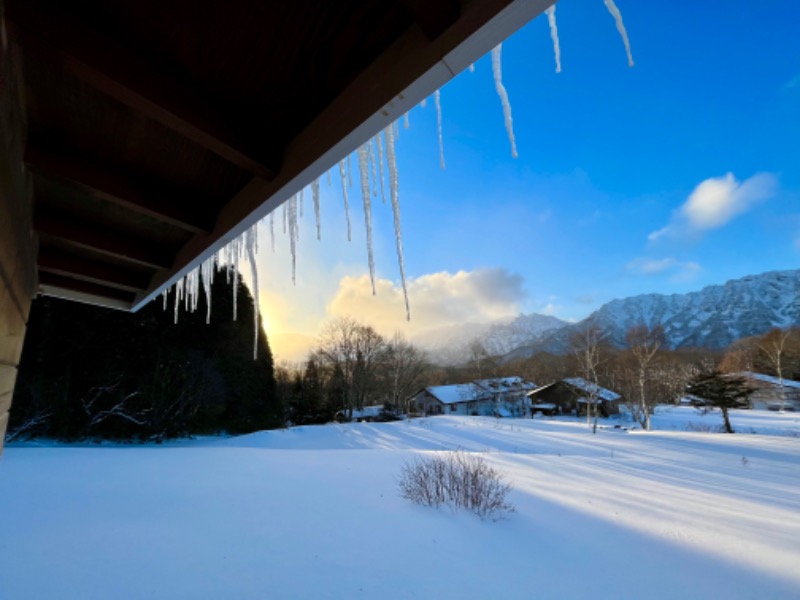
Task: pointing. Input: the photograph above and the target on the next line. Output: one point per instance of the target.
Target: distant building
(571, 396)
(501, 397)
(769, 394)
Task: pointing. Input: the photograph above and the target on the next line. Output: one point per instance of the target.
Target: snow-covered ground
(313, 512)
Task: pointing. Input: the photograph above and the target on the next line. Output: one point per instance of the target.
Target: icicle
(272, 229)
(373, 169)
(391, 159)
(551, 20)
(343, 176)
(349, 173)
(285, 217)
(300, 202)
(363, 169)
(164, 295)
(472, 68)
(315, 196)
(235, 250)
(438, 101)
(396, 130)
(424, 103)
(379, 146)
(207, 271)
(406, 122)
(251, 257)
(612, 8)
(497, 69)
(328, 174)
(178, 297)
(293, 235)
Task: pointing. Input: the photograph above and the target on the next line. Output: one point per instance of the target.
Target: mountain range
(713, 317)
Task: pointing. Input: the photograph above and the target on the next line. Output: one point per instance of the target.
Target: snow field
(313, 512)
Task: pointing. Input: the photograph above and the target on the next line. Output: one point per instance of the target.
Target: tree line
(90, 372)
(352, 366)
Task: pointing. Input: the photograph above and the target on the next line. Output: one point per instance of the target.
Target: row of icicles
(376, 159)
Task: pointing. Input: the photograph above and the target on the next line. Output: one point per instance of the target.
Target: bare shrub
(459, 480)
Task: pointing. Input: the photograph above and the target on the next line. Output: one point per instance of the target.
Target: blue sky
(608, 156)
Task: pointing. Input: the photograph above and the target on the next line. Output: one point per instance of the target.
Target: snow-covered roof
(589, 388)
(478, 390)
(769, 379)
(459, 392)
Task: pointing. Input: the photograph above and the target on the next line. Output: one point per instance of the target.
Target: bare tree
(405, 366)
(479, 359)
(772, 346)
(353, 351)
(588, 346)
(644, 343)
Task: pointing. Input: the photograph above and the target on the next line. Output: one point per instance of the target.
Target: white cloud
(679, 271)
(437, 299)
(715, 201)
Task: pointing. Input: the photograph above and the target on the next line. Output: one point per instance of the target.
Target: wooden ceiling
(159, 130)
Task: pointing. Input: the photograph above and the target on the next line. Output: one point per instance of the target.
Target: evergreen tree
(93, 372)
(721, 391)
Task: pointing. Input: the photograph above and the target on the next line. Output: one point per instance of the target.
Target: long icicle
(497, 69)
(438, 102)
(372, 167)
(612, 8)
(551, 20)
(349, 173)
(363, 169)
(300, 202)
(343, 176)
(251, 257)
(315, 196)
(235, 250)
(293, 235)
(379, 152)
(272, 229)
(207, 271)
(391, 159)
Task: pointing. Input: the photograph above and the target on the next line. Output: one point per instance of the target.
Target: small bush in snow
(459, 480)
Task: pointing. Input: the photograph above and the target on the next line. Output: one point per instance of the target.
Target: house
(570, 397)
(769, 394)
(500, 397)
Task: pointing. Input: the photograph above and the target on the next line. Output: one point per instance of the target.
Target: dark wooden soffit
(89, 55)
(445, 39)
(158, 131)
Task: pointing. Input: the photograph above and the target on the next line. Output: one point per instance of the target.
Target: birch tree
(644, 343)
(772, 347)
(588, 346)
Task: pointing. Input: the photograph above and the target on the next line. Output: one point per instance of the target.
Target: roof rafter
(117, 187)
(126, 78)
(84, 291)
(83, 235)
(59, 263)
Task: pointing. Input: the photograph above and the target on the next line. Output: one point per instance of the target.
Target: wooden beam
(76, 267)
(411, 69)
(84, 291)
(117, 187)
(93, 237)
(69, 43)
